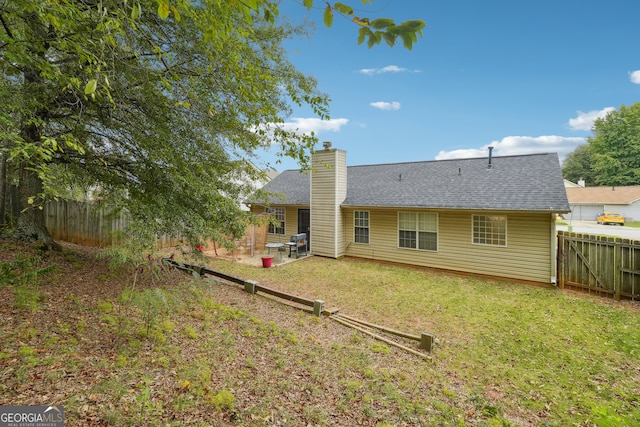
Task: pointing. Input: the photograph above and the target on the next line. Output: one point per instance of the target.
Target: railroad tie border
(426, 340)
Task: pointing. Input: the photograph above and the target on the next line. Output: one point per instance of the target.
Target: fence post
(250, 286)
(617, 274)
(318, 307)
(560, 265)
(426, 341)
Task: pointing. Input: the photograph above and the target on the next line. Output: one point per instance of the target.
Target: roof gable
(293, 185)
(529, 182)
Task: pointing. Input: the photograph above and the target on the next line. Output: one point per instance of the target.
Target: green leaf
(166, 84)
(308, 4)
(389, 38)
(364, 22)
(343, 8)
(54, 143)
(164, 9)
(414, 25)
(363, 33)
(328, 16)
(253, 4)
(91, 86)
(382, 23)
(407, 40)
(268, 16)
(136, 11)
(176, 14)
(372, 40)
(209, 35)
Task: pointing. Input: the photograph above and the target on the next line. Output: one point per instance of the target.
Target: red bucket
(266, 262)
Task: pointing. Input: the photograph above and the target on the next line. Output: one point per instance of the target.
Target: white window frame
(275, 212)
(418, 227)
(489, 230)
(357, 226)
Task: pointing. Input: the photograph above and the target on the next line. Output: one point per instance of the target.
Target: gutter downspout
(554, 250)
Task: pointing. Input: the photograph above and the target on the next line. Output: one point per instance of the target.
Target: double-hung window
(278, 214)
(490, 230)
(418, 230)
(361, 227)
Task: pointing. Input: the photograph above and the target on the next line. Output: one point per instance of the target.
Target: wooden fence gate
(609, 266)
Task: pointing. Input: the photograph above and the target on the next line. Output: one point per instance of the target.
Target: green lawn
(512, 352)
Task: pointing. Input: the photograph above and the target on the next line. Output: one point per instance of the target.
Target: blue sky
(522, 76)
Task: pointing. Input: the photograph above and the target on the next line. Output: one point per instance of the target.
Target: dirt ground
(73, 293)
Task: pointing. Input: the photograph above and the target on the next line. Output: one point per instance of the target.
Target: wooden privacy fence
(609, 266)
(90, 224)
(95, 224)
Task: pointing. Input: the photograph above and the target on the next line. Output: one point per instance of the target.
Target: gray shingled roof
(293, 184)
(522, 183)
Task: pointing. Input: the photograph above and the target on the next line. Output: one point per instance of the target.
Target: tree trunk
(3, 186)
(31, 222)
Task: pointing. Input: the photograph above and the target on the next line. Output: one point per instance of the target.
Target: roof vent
(490, 151)
(326, 145)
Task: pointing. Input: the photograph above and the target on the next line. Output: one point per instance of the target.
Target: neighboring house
(488, 216)
(587, 202)
(568, 183)
(251, 177)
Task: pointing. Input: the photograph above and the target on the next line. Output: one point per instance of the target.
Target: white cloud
(387, 69)
(307, 125)
(382, 105)
(584, 121)
(464, 153)
(516, 145)
(634, 76)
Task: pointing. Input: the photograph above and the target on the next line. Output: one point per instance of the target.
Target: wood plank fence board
(95, 224)
(90, 224)
(601, 264)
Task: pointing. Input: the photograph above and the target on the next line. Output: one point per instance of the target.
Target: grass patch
(517, 351)
(26, 297)
(24, 270)
(222, 400)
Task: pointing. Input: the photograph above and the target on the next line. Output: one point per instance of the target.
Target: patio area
(279, 257)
